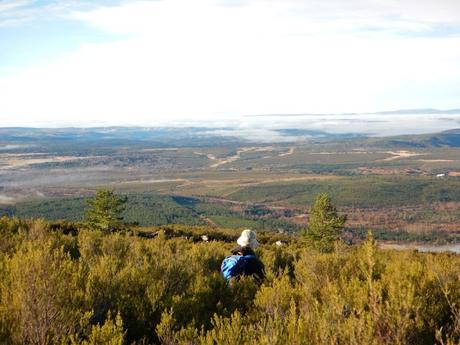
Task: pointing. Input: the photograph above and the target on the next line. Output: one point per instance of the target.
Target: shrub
(98, 288)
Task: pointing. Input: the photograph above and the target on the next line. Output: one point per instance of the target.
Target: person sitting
(243, 261)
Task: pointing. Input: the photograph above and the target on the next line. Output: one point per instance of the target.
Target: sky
(87, 63)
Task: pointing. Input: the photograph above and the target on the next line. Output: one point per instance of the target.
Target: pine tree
(105, 211)
(325, 225)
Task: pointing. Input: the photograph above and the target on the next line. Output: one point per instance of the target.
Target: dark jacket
(254, 267)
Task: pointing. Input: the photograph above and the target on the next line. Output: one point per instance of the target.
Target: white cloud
(14, 13)
(201, 60)
(8, 5)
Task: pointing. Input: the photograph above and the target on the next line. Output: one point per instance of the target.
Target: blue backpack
(234, 265)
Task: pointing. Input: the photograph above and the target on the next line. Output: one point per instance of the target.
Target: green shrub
(98, 288)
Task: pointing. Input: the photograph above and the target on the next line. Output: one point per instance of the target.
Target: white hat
(248, 239)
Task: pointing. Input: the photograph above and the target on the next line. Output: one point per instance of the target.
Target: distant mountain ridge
(449, 138)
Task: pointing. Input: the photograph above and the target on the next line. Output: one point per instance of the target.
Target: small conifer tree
(325, 225)
(105, 211)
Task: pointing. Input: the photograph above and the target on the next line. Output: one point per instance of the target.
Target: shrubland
(163, 286)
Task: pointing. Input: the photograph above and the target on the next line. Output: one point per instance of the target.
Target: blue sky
(36, 32)
(69, 62)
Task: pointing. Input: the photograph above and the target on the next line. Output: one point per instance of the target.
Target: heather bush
(92, 287)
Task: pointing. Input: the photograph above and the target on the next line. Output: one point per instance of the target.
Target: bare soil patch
(401, 155)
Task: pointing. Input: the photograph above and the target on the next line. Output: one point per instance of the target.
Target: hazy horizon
(294, 127)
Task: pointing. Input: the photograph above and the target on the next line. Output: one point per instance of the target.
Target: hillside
(91, 288)
(450, 138)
